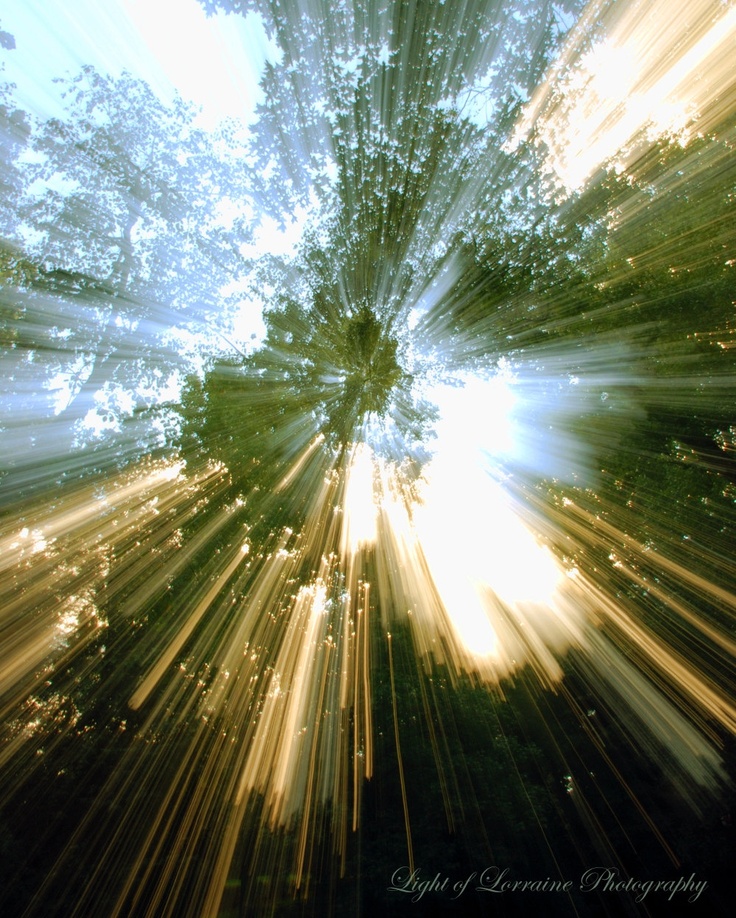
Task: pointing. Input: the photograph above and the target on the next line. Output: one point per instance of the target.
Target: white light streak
(244, 618)
(670, 74)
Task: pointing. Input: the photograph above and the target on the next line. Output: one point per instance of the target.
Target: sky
(215, 63)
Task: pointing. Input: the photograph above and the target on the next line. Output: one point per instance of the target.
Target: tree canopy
(368, 481)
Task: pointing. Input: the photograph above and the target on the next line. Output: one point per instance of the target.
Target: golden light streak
(496, 587)
(359, 525)
(291, 668)
(363, 734)
(674, 668)
(397, 741)
(252, 688)
(661, 68)
(186, 627)
(85, 525)
(300, 463)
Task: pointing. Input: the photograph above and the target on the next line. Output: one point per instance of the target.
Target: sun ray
(367, 463)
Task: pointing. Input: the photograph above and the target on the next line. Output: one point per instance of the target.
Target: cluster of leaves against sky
(125, 226)
(124, 223)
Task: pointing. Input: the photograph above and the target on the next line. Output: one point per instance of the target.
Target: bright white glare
(493, 546)
(53, 39)
(97, 424)
(668, 77)
(248, 325)
(215, 63)
(476, 412)
(111, 403)
(471, 536)
(359, 524)
(270, 238)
